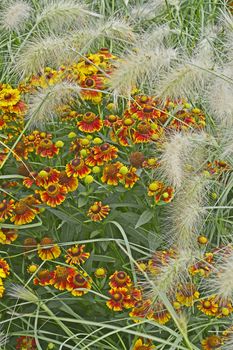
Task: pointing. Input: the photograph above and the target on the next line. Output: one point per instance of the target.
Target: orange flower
(53, 195)
(47, 148)
(78, 280)
(6, 209)
(90, 86)
(23, 213)
(47, 176)
(130, 178)
(69, 182)
(160, 313)
(143, 133)
(142, 309)
(110, 173)
(208, 306)
(211, 343)
(7, 236)
(140, 345)
(60, 276)
(77, 168)
(2, 288)
(119, 299)
(120, 279)
(47, 250)
(43, 278)
(4, 268)
(90, 123)
(104, 153)
(165, 195)
(26, 343)
(98, 211)
(186, 294)
(76, 255)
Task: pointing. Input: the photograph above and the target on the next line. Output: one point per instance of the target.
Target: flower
(23, 212)
(43, 278)
(9, 97)
(77, 168)
(29, 244)
(90, 87)
(130, 178)
(160, 313)
(76, 255)
(136, 159)
(104, 153)
(7, 236)
(54, 194)
(47, 148)
(211, 343)
(69, 182)
(47, 176)
(140, 345)
(110, 173)
(143, 133)
(100, 272)
(119, 299)
(90, 123)
(78, 280)
(60, 276)
(142, 309)
(2, 288)
(98, 211)
(6, 208)
(186, 294)
(26, 343)
(47, 250)
(208, 306)
(120, 279)
(4, 269)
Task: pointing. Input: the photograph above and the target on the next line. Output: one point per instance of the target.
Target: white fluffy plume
(182, 153)
(190, 77)
(14, 15)
(142, 64)
(220, 281)
(44, 104)
(60, 14)
(220, 97)
(17, 291)
(148, 11)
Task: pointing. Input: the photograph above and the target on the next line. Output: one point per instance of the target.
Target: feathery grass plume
(41, 52)
(45, 103)
(190, 77)
(228, 343)
(220, 97)
(17, 291)
(141, 65)
(182, 153)
(220, 282)
(59, 14)
(14, 15)
(148, 11)
(173, 273)
(175, 151)
(184, 219)
(115, 28)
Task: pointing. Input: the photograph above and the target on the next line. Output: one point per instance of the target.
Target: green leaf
(144, 218)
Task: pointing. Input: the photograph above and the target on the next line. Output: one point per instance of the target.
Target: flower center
(80, 280)
(143, 128)
(104, 147)
(147, 109)
(112, 118)
(95, 208)
(75, 251)
(76, 162)
(43, 274)
(46, 241)
(111, 170)
(207, 304)
(53, 189)
(21, 208)
(89, 117)
(214, 341)
(46, 143)
(117, 296)
(3, 206)
(8, 96)
(90, 82)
